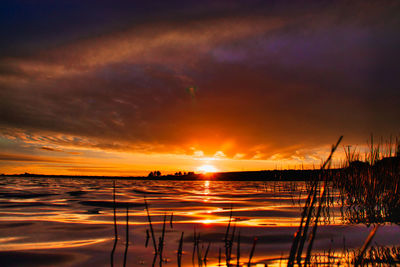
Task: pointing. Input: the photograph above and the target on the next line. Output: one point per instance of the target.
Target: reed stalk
(151, 227)
(147, 238)
(115, 226)
(194, 245)
(199, 252)
(161, 244)
(238, 251)
(252, 251)
(179, 253)
(219, 257)
(371, 235)
(314, 230)
(301, 234)
(127, 235)
(206, 253)
(227, 246)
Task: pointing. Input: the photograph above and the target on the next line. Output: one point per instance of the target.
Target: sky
(127, 87)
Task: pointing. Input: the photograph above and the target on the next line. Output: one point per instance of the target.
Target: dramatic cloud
(269, 80)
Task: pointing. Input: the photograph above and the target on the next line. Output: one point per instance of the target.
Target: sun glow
(207, 168)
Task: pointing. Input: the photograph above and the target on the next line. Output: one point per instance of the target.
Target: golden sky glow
(207, 168)
(175, 88)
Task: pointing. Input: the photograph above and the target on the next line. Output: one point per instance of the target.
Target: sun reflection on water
(79, 215)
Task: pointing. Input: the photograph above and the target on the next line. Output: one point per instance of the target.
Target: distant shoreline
(270, 175)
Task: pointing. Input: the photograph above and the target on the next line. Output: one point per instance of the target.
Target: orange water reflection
(77, 216)
(10, 246)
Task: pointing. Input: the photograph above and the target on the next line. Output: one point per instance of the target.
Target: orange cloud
(275, 84)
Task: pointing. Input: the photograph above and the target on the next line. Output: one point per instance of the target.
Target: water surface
(70, 222)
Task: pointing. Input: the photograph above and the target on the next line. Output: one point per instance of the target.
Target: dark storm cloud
(275, 77)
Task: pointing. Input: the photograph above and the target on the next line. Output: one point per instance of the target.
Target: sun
(207, 168)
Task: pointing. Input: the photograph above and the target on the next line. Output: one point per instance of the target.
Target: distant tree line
(158, 174)
(183, 173)
(154, 174)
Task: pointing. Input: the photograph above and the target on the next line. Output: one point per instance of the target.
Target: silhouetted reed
(115, 226)
(252, 251)
(238, 251)
(179, 253)
(147, 238)
(382, 256)
(229, 245)
(302, 232)
(219, 256)
(161, 242)
(151, 227)
(359, 258)
(370, 192)
(364, 256)
(227, 241)
(127, 235)
(206, 253)
(194, 245)
(370, 189)
(314, 230)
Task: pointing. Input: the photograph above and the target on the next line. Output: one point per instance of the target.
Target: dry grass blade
(199, 252)
(227, 246)
(147, 238)
(314, 230)
(229, 225)
(154, 260)
(230, 244)
(206, 253)
(252, 251)
(127, 235)
(238, 251)
(219, 257)
(179, 253)
(161, 244)
(151, 227)
(366, 244)
(328, 160)
(321, 201)
(194, 245)
(115, 227)
(301, 234)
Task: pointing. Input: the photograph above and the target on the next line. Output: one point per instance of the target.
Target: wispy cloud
(272, 81)
(27, 158)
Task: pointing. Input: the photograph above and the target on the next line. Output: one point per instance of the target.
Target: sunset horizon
(258, 133)
(126, 88)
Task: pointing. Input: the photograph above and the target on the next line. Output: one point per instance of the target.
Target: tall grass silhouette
(369, 188)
